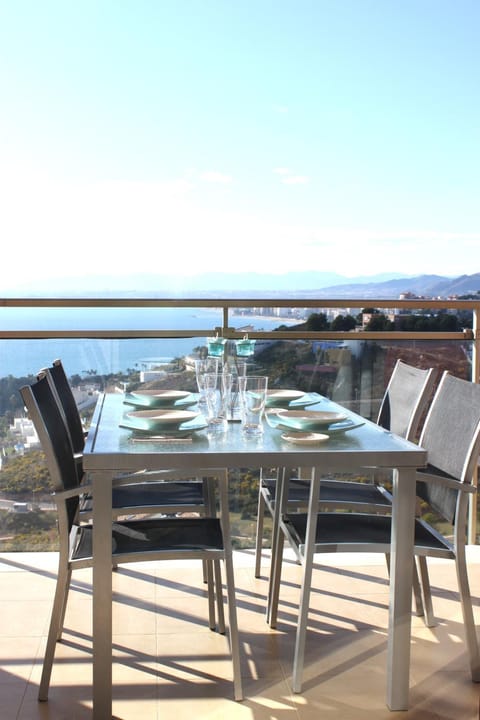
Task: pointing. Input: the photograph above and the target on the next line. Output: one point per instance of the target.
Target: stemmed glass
(217, 387)
(202, 367)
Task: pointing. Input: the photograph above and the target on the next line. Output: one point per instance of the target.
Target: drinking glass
(237, 368)
(217, 388)
(253, 395)
(203, 366)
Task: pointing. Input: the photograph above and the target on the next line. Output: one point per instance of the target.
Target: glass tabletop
(111, 446)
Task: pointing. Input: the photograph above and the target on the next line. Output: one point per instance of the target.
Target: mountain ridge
(307, 284)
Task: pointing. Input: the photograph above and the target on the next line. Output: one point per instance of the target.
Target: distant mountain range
(250, 285)
(424, 285)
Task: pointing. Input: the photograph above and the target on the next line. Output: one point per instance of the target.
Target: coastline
(24, 357)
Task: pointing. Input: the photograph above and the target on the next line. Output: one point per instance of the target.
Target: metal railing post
(473, 506)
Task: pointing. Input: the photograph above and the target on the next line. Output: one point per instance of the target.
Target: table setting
(228, 394)
(160, 398)
(162, 415)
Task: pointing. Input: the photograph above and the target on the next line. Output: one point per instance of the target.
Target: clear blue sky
(186, 135)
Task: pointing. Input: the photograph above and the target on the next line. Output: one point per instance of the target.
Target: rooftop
(167, 664)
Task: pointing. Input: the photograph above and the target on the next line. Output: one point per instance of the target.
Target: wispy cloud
(289, 178)
(213, 176)
(295, 180)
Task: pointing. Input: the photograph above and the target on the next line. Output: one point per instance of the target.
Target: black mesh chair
(403, 406)
(141, 492)
(205, 538)
(170, 492)
(451, 435)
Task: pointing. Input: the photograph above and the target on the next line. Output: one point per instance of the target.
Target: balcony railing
(226, 306)
(81, 320)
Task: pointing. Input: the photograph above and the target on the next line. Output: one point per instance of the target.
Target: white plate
(306, 438)
(282, 397)
(309, 419)
(157, 419)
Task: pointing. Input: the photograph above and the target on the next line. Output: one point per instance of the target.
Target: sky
(192, 135)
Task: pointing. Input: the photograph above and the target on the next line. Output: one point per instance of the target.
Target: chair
(451, 436)
(139, 493)
(203, 538)
(403, 406)
(135, 495)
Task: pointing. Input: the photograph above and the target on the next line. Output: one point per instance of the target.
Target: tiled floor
(169, 666)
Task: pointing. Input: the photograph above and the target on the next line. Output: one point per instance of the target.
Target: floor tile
(167, 663)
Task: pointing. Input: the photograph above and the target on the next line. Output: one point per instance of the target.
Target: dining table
(112, 448)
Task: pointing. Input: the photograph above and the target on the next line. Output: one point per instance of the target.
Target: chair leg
(64, 604)
(55, 629)
(208, 566)
(464, 588)
(430, 620)
(259, 532)
(219, 596)
(233, 629)
(274, 580)
(210, 510)
(417, 593)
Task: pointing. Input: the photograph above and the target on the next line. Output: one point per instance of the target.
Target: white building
(24, 429)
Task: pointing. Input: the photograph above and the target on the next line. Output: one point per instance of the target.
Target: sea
(21, 358)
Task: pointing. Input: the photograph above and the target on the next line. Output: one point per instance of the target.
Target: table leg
(230, 584)
(102, 595)
(401, 580)
(306, 581)
(281, 495)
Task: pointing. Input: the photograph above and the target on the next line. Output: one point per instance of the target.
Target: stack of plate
(309, 426)
(290, 398)
(160, 398)
(170, 422)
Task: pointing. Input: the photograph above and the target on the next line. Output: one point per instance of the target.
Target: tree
(378, 321)
(317, 321)
(25, 475)
(344, 322)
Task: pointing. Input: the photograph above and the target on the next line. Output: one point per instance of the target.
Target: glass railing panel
(354, 373)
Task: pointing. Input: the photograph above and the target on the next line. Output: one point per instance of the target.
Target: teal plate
(285, 403)
(333, 429)
(183, 430)
(161, 399)
(309, 420)
(159, 420)
(283, 398)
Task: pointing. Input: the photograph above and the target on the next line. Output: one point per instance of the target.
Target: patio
(168, 667)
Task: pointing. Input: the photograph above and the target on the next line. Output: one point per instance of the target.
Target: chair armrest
(424, 476)
(73, 492)
(164, 475)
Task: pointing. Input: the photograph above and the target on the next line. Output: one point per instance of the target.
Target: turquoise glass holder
(216, 346)
(245, 347)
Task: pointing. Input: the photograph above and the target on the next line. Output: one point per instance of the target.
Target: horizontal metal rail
(225, 306)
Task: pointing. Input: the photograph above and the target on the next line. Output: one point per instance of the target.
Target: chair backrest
(67, 401)
(43, 409)
(451, 436)
(406, 398)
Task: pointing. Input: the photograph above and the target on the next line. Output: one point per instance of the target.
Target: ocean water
(24, 357)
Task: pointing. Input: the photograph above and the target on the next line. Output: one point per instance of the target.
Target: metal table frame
(109, 450)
